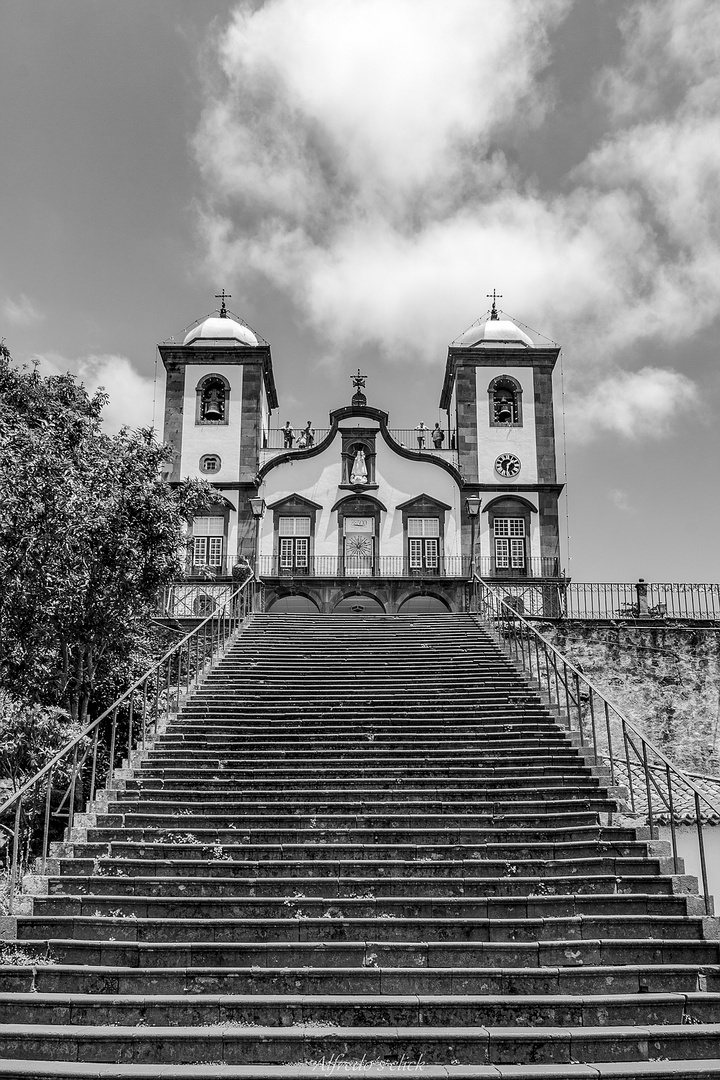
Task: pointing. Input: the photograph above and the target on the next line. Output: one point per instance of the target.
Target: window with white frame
(423, 543)
(208, 541)
(294, 543)
(509, 534)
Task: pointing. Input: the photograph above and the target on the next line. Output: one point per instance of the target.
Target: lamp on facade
(258, 506)
(472, 505)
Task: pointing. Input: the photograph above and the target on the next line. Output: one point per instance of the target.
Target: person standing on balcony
(438, 436)
(308, 433)
(288, 435)
(421, 431)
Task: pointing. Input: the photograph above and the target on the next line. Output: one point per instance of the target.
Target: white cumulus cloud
(130, 394)
(351, 153)
(637, 405)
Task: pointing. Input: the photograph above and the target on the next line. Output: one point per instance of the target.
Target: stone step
(466, 851)
(357, 1012)
(332, 926)
(137, 824)
(381, 953)
(514, 981)
(372, 1068)
(310, 1043)
(278, 907)
(642, 888)
(427, 867)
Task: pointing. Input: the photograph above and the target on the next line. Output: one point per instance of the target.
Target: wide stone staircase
(364, 846)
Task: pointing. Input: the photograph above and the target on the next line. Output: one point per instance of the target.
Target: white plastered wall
(221, 439)
(398, 479)
(493, 441)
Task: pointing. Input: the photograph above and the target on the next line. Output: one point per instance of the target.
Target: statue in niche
(359, 473)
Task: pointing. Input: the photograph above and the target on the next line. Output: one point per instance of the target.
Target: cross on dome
(494, 296)
(223, 296)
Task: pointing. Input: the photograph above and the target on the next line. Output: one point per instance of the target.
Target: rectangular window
(423, 526)
(509, 526)
(509, 543)
(208, 526)
(423, 554)
(294, 553)
(294, 526)
(208, 551)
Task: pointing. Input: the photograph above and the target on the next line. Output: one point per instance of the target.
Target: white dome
(219, 329)
(494, 332)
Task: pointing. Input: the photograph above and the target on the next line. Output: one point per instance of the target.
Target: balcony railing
(397, 566)
(410, 438)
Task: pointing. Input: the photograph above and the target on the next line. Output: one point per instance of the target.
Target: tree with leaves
(89, 534)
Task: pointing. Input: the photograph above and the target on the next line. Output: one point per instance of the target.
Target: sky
(359, 175)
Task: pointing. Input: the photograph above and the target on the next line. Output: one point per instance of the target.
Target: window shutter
(502, 552)
(286, 554)
(415, 552)
(517, 553)
(431, 554)
(199, 550)
(215, 550)
(301, 552)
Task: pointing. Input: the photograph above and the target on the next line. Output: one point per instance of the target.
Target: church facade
(360, 516)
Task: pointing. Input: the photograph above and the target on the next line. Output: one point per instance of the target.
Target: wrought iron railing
(641, 600)
(383, 566)
(653, 782)
(535, 567)
(89, 760)
(399, 566)
(410, 438)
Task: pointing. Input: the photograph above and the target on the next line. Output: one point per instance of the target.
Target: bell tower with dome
(498, 387)
(219, 394)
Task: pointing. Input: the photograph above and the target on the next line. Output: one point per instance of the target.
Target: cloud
(637, 405)
(21, 312)
(130, 394)
(351, 153)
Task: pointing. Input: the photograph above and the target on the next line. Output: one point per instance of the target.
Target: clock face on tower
(507, 465)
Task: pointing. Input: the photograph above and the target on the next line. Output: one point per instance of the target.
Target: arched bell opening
(505, 402)
(213, 400)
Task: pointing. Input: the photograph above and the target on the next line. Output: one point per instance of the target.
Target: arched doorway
(357, 604)
(293, 605)
(423, 605)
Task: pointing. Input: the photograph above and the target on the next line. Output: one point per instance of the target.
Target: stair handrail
(562, 680)
(168, 679)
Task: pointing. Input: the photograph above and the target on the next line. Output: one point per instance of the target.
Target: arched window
(213, 399)
(509, 521)
(505, 402)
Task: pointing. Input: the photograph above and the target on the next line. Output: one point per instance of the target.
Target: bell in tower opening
(212, 401)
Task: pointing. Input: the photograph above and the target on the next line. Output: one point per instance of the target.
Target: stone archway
(293, 604)
(359, 604)
(423, 604)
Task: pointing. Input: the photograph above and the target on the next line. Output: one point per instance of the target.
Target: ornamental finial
(494, 296)
(223, 296)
